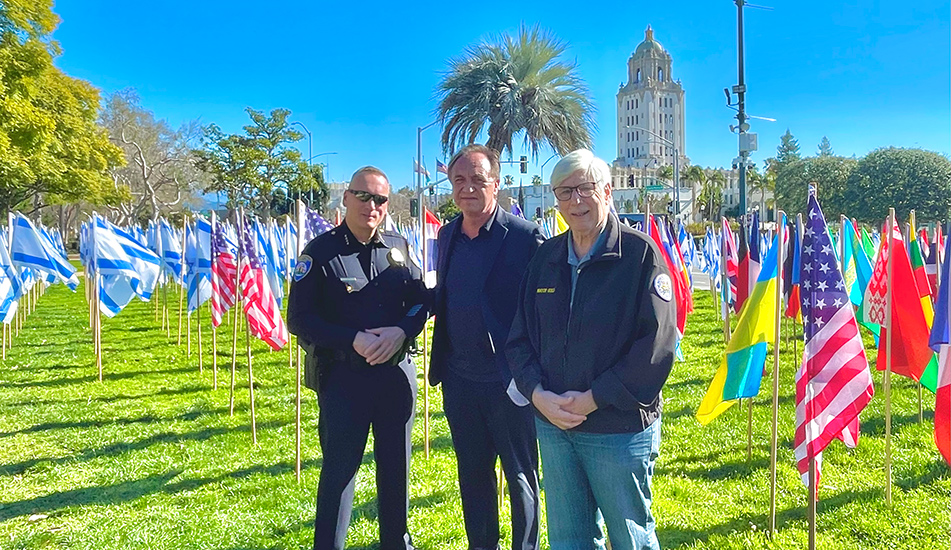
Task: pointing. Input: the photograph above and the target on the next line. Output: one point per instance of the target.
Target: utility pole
(747, 141)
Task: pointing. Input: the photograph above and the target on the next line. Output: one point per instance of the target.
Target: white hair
(594, 169)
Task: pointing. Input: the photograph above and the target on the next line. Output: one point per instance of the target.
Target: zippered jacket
(616, 338)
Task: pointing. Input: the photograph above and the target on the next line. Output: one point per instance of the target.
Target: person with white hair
(593, 343)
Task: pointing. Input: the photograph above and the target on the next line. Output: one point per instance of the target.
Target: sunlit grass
(150, 458)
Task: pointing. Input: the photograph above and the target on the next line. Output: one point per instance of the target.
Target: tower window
(638, 77)
(660, 74)
(637, 151)
(635, 103)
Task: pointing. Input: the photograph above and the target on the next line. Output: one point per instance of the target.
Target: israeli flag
(198, 263)
(171, 247)
(30, 249)
(10, 284)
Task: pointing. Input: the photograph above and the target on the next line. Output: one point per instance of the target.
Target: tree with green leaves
(696, 177)
(512, 85)
(711, 194)
(788, 149)
(825, 148)
(250, 168)
(830, 176)
(52, 151)
(904, 179)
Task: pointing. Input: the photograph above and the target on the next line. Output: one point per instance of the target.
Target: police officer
(356, 304)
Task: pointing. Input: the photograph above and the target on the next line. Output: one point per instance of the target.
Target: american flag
(223, 272)
(260, 305)
(833, 384)
(314, 224)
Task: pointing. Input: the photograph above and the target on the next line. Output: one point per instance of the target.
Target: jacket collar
(609, 249)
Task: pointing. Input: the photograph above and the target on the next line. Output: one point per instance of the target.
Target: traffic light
(630, 180)
(432, 191)
(414, 208)
(538, 212)
(523, 164)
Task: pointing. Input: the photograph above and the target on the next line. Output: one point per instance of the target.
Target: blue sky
(361, 76)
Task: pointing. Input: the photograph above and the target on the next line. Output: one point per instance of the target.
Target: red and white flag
(224, 270)
(260, 305)
(833, 384)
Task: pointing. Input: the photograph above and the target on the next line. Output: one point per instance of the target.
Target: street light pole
(310, 152)
(740, 90)
(676, 167)
(543, 184)
(326, 172)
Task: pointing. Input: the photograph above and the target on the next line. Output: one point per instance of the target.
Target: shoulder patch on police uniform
(304, 263)
(663, 287)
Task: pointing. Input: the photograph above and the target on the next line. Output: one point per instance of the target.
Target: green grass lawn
(151, 458)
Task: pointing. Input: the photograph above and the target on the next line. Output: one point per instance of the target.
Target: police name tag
(304, 264)
(663, 287)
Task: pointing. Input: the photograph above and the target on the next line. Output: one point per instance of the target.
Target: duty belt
(354, 359)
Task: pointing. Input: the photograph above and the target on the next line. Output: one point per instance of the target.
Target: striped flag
(440, 167)
(260, 305)
(940, 342)
(223, 273)
(833, 384)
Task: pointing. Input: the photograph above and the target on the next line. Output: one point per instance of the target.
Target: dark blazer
(514, 242)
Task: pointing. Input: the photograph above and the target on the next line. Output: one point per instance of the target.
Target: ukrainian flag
(741, 368)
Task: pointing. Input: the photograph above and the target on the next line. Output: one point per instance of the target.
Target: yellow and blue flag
(741, 367)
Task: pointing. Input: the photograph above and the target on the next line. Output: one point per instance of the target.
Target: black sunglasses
(366, 196)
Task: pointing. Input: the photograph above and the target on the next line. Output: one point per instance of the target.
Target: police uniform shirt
(342, 286)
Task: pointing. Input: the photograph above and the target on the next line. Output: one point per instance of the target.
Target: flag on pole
(10, 284)
(517, 211)
(935, 258)
(260, 306)
(732, 264)
(198, 261)
(911, 356)
(791, 281)
(430, 231)
(833, 384)
(940, 341)
(440, 167)
(741, 366)
(420, 170)
(29, 249)
(560, 225)
(223, 273)
(126, 268)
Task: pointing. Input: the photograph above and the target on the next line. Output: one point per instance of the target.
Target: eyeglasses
(366, 196)
(585, 190)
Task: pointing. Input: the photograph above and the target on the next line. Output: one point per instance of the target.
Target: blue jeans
(587, 476)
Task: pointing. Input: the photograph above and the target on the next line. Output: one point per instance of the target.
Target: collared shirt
(576, 264)
(471, 355)
(364, 251)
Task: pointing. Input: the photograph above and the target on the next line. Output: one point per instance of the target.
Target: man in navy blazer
(482, 256)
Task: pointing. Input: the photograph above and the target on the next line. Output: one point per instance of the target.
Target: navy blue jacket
(617, 339)
(513, 242)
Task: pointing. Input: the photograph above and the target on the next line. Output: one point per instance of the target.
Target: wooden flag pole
(298, 248)
(888, 358)
(201, 365)
(188, 335)
(214, 329)
(773, 447)
(425, 387)
(912, 227)
(181, 287)
(749, 429)
(813, 501)
(237, 307)
(247, 342)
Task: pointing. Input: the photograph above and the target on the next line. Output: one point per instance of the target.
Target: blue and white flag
(198, 263)
(10, 284)
(30, 249)
(171, 247)
(126, 267)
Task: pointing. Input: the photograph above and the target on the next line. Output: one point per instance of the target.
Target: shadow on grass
(105, 496)
(113, 398)
(676, 538)
(937, 470)
(107, 376)
(370, 509)
(737, 469)
(875, 425)
(85, 424)
(116, 449)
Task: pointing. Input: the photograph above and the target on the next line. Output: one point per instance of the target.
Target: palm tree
(712, 193)
(697, 177)
(513, 85)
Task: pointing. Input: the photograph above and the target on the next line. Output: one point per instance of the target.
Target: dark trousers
(485, 425)
(351, 401)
